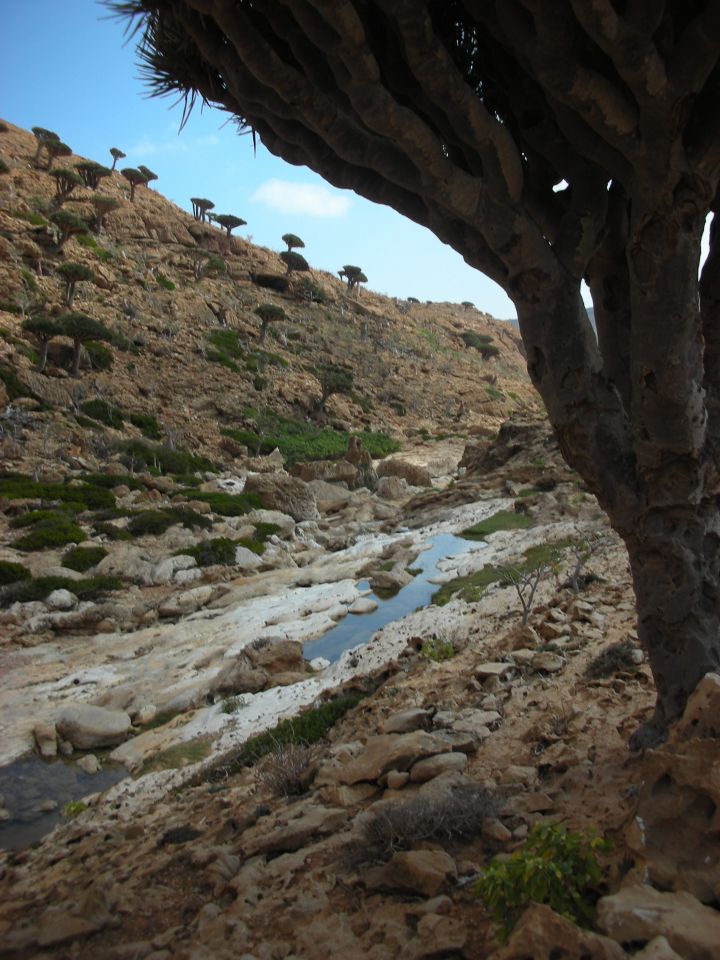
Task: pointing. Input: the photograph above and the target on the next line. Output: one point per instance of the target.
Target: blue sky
(65, 66)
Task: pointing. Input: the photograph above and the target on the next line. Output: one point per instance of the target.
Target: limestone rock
(87, 727)
(181, 604)
(491, 669)
(390, 579)
(406, 721)
(639, 912)
(165, 571)
(392, 488)
(414, 475)
(276, 656)
(657, 949)
(46, 739)
(279, 491)
(702, 713)
(673, 831)
(89, 763)
(547, 662)
(390, 752)
(432, 767)
(363, 605)
(61, 600)
(282, 835)
(247, 559)
(128, 561)
(424, 872)
(331, 471)
(542, 934)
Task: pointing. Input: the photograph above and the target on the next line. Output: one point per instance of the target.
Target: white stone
(89, 763)
(363, 605)
(85, 726)
(61, 600)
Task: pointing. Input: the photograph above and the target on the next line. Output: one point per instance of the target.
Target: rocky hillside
(179, 298)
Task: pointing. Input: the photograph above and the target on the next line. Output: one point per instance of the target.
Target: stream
(30, 785)
(356, 629)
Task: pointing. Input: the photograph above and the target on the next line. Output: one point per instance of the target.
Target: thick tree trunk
(675, 561)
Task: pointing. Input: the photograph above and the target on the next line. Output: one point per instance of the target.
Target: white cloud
(311, 199)
(149, 148)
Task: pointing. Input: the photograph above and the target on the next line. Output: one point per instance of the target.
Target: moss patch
(155, 522)
(181, 755)
(502, 520)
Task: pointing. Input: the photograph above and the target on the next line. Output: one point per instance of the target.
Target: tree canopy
(548, 143)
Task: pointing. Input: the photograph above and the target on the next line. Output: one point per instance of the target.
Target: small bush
(112, 532)
(73, 808)
(104, 412)
(99, 356)
(155, 522)
(457, 814)
(53, 531)
(285, 770)
(164, 282)
(220, 550)
(263, 531)
(618, 657)
(553, 867)
(147, 424)
(12, 572)
(83, 558)
(494, 393)
(233, 704)
(437, 649)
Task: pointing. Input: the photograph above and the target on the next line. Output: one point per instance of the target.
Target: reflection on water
(31, 782)
(357, 629)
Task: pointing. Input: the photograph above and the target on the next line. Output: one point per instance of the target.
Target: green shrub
(147, 424)
(104, 412)
(308, 727)
(12, 572)
(73, 808)
(263, 531)
(32, 517)
(437, 649)
(220, 550)
(233, 704)
(112, 532)
(230, 504)
(299, 441)
(83, 558)
(89, 496)
(110, 480)
(100, 357)
(53, 531)
(155, 522)
(89, 588)
(13, 386)
(164, 282)
(553, 867)
(162, 458)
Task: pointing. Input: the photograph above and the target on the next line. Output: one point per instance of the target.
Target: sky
(65, 65)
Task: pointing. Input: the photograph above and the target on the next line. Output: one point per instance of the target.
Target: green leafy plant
(12, 572)
(502, 520)
(437, 649)
(554, 867)
(147, 424)
(233, 704)
(73, 808)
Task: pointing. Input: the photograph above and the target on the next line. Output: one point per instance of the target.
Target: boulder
(279, 491)
(423, 872)
(128, 561)
(414, 475)
(276, 656)
(432, 767)
(268, 464)
(165, 571)
(363, 605)
(639, 912)
(89, 763)
(392, 488)
(542, 934)
(181, 604)
(701, 718)
(61, 600)
(407, 720)
(46, 738)
(246, 559)
(87, 727)
(332, 471)
(389, 752)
